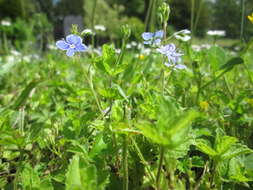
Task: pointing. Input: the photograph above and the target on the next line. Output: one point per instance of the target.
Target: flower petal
(61, 44)
(70, 52)
(168, 64)
(148, 42)
(159, 34)
(74, 39)
(147, 35)
(170, 47)
(81, 47)
(157, 41)
(179, 66)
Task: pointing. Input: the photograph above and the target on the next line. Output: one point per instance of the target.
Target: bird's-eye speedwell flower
(152, 38)
(172, 55)
(72, 44)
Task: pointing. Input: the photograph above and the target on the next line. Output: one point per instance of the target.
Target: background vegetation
(209, 15)
(117, 116)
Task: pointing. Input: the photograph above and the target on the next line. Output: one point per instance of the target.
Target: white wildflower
(216, 33)
(100, 28)
(5, 23)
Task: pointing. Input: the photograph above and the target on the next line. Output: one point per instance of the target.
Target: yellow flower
(251, 18)
(141, 57)
(204, 105)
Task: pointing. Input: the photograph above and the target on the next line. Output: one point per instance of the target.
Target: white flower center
(72, 46)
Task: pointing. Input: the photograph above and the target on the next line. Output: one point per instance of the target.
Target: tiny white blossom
(216, 33)
(5, 23)
(128, 46)
(100, 28)
(184, 38)
(118, 51)
(133, 43)
(87, 31)
(196, 47)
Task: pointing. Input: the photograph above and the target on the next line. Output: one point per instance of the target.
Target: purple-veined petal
(81, 47)
(70, 52)
(148, 42)
(159, 34)
(61, 44)
(74, 39)
(147, 35)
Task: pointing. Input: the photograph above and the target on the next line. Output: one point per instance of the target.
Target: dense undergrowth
(125, 120)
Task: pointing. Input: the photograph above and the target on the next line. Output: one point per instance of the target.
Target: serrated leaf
(236, 150)
(205, 148)
(224, 144)
(173, 125)
(30, 178)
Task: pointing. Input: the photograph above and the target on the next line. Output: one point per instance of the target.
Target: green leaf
(99, 145)
(46, 184)
(235, 172)
(24, 95)
(224, 144)
(81, 175)
(121, 92)
(205, 148)
(30, 178)
(216, 56)
(173, 125)
(231, 63)
(35, 131)
(236, 150)
(73, 177)
(248, 162)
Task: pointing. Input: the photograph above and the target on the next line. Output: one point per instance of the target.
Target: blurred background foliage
(43, 19)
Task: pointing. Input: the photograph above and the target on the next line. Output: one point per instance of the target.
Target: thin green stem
(158, 177)
(152, 16)
(192, 17)
(93, 21)
(198, 15)
(227, 87)
(242, 19)
(89, 79)
(152, 178)
(125, 162)
(148, 15)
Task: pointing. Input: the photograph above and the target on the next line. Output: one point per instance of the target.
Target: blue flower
(72, 44)
(152, 38)
(172, 55)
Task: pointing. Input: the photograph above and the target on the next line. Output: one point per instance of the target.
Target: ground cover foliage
(118, 120)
